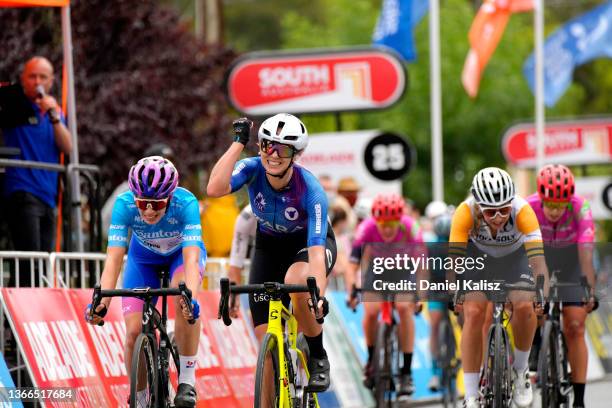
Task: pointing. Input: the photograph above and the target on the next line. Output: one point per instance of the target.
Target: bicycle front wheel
(143, 376)
(502, 389)
(382, 365)
(267, 388)
(547, 368)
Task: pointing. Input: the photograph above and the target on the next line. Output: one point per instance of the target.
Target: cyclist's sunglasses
(284, 151)
(497, 211)
(155, 205)
(552, 205)
(388, 223)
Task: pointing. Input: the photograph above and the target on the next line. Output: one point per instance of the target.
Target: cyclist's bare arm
(221, 174)
(350, 277)
(316, 265)
(191, 258)
(112, 268)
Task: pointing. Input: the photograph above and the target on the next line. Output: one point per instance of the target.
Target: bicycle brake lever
(314, 297)
(95, 302)
(223, 311)
(186, 295)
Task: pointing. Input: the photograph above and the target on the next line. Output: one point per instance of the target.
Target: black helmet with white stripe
(492, 187)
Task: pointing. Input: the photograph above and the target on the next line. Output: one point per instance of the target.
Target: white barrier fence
(83, 269)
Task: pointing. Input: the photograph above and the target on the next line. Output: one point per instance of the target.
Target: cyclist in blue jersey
(166, 236)
(293, 238)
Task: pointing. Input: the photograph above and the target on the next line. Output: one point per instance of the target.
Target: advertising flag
(396, 23)
(579, 41)
(485, 33)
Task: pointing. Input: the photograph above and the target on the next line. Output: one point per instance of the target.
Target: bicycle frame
(275, 328)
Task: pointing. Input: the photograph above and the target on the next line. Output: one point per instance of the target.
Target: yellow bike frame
(275, 328)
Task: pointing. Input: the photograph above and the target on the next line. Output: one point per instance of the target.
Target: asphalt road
(598, 395)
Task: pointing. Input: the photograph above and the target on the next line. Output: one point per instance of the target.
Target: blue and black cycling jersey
(299, 208)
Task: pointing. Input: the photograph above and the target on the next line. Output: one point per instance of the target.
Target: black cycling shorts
(273, 257)
(512, 269)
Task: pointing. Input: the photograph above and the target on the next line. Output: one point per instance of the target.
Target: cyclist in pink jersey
(567, 231)
(388, 224)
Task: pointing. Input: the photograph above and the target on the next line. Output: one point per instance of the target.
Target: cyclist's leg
(370, 320)
(515, 269)
(187, 335)
(474, 314)
(136, 274)
(271, 259)
(574, 317)
(405, 309)
(435, 310)
(297, 273)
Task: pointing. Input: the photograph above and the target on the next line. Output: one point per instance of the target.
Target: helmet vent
(302, 126)
(279, 129)
(266, 131)
(291, 138)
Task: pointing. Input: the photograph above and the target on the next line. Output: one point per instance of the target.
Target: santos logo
(291, 214)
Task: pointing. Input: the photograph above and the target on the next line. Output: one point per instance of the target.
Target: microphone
(40, 93)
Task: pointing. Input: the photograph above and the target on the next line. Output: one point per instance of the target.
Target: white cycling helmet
(436, 209)
(492, 187)
(284, 128)
(363, 207)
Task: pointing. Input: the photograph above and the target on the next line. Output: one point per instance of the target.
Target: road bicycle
(281, 377)
(386, 360)
(154, 350)
(496, 375)
(553, 371)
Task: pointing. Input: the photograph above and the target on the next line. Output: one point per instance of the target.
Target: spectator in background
(339, 224)
(157, 149)
(349, 189)
(335, 200)
(30, 195)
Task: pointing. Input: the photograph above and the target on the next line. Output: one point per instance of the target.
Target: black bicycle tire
(302, 345)
(381, 379)
(447, 351)
(547, 367)
(564, 363)
(499, 369)
(172, 352)
(486, 376)
(268, 344)
(145, 344)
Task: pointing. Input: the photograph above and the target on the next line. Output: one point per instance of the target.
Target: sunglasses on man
(494, 212)
(284, 151)
(155, 205)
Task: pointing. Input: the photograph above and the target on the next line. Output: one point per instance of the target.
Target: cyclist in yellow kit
(502, 229)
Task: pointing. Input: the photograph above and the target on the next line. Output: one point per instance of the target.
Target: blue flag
(395, 25)
(581, 40)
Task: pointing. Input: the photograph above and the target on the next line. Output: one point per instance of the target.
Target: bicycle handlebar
(141, 293)
(271, 288)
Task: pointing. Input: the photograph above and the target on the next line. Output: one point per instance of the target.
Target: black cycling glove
(242, 129)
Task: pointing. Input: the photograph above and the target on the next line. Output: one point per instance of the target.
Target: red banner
(55, 347)
(62, 350)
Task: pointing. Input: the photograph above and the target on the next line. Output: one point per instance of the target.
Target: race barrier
(61, 350)
(58, 349)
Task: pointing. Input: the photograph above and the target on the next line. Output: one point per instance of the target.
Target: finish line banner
(62, 351)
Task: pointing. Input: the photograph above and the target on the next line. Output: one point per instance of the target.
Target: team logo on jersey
(291, 213)
(172, 221)
(286, 199)
(330, 257)
(260, 201)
